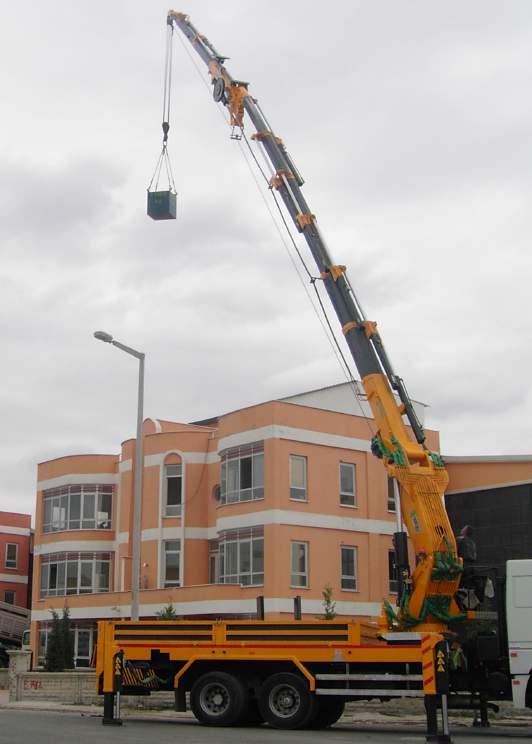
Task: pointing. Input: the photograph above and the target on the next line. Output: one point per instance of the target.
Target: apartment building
(278, 499)
(15, 558)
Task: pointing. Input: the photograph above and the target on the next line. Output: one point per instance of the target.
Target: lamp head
(103, 336)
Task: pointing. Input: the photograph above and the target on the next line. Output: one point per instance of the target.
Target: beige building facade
(277, 500)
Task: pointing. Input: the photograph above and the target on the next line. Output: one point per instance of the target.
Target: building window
(81, 507)
(393, 583)
(349, 568)
(298, 477)
(391, 494)
(299, 564)
(347, 484)
(11, 555)
(171, 562)
(241, 556)
(242, 477)
(75, 573)
(10, 598)
(173, 485)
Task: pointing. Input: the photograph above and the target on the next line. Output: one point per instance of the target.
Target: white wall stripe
(99, 546)
(297, 435)
(14, 578)
(6, 530)
(307, 519)
(272, 516)
(78, 478)
(222, 606)
(125, 466)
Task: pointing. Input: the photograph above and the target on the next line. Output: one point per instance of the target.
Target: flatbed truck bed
(291, 674)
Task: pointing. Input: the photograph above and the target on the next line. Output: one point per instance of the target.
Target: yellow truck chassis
(292, 674)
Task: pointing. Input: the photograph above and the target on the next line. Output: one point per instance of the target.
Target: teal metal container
(162, 205)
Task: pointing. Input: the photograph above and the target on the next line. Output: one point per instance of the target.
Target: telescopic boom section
(428, 601)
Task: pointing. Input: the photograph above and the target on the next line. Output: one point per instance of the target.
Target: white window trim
(290, 486)
(343, 576)
(353, 494)
(224, 467)
(13, 568)
(164, 500)
(239, 542)
(163, 554)
(78, 587)
(299, 573)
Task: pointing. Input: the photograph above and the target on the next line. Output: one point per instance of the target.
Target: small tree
(329, 605)
(60, 646)
(167, 613)
(67, 640)
(54, 656)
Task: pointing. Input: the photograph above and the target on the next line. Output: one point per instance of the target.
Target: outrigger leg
(431, 707)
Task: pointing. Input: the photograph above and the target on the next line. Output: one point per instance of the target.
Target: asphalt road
(41, 727)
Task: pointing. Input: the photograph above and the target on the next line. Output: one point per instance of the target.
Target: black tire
(251, 715)
(328, 711)
(218, 699)
(286, 702)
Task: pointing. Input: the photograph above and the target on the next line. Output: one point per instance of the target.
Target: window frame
(177, 508)
(58, 503)
(252, 540)
(55, 574)
(170, 583)
(10, 562)
(234, 465)
(353, 493)
(292, 488)
(305, 573)
(345, 577)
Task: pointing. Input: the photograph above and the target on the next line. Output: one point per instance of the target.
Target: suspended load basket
(162, 203)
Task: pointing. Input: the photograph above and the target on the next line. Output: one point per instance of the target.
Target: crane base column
(109, 710)
(433, 735)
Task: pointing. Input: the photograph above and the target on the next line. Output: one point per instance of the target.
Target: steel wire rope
(331, 335)
(326, 327)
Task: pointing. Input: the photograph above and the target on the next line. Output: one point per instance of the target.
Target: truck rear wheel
(328, 711)
(286, 702)
(218, 699)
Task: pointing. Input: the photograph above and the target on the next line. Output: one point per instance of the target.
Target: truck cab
(519, 619)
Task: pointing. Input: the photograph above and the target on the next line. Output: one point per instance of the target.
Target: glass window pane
(45, 575)
(258, 556)
(245, 556)
(173, 491)
(258, 471)
(297, 472)
(47, 516)
(102, 576)
(88, 505)
(232, 478)
(231, 560)
(75, 507)
(85, 582)
(245, 472)
(72, 577)
(104, 511)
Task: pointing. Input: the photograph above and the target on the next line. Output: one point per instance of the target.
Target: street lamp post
(137, 497)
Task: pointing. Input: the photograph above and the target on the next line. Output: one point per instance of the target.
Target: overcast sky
(412, 124)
